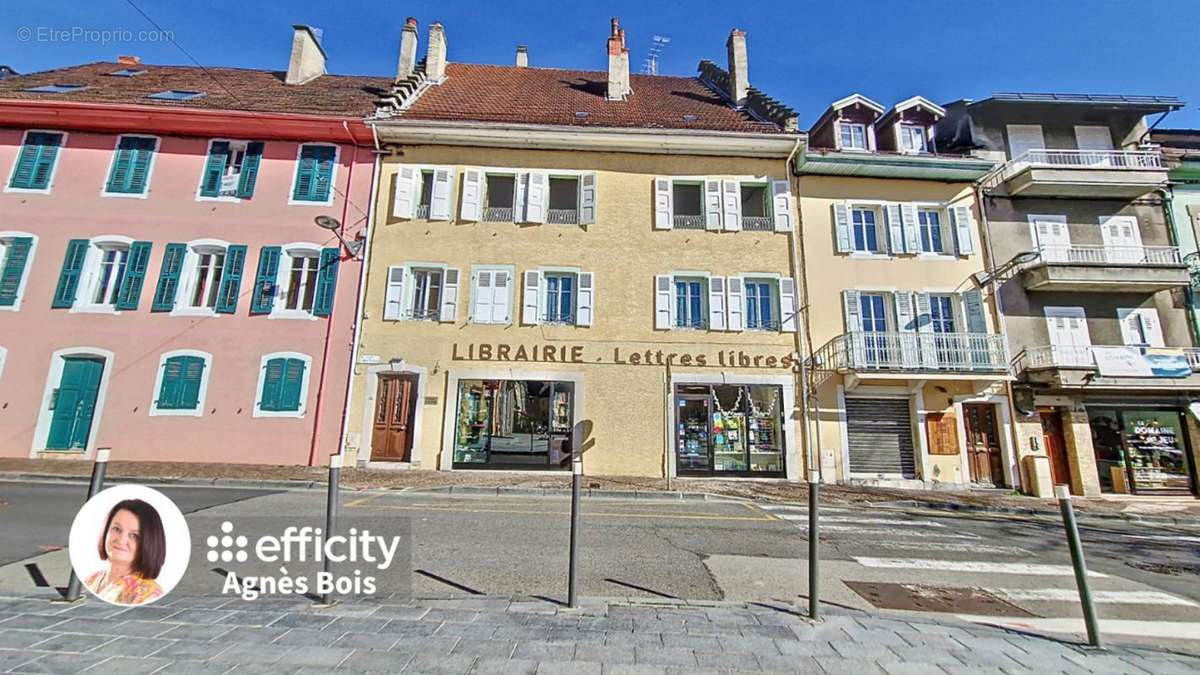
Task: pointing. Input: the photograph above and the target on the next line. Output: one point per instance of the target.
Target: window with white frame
(853, 135)
(913, 138)
(232, 174)
(761, 304)
(426, 302)
(283, 380)
(491, 295)
(866, 223)
(425, 197)
(557, 296)
(687, 201)
(204, 282)
(16, 258)
(941, 313)
(499, 205)
(300, 281)
(559, 303)
(691, 302)
(933, 234)
(181, 384)
(564, 200)
(756, 207)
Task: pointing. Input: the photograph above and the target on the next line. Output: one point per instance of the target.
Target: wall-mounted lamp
(333, 225)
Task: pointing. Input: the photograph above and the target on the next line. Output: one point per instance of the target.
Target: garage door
(880, 436)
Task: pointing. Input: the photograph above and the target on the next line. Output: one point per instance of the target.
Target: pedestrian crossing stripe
(888, 532)
(882, 521)
(976, 566)
(1183, 630)
(958, 547)
(1106, 597)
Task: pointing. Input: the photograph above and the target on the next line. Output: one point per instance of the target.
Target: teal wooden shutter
(168, 393)
(231, 279)
(118, 176)
(68, 279)
(135, 273)
(314, 176)
(168, 278)
(249, 170)
(214, 169)
(36, 161)
(304, 176)
(272, 385)
(324, 175)
(263, 299)
(181, 380)
(131, 165)
(14, 269)
(326, 281)
(293, 381)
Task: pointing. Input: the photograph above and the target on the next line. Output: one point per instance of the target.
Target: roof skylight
(177, 95)
(57, 88)
(127, 72)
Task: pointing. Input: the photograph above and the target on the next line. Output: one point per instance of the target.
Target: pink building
(165, 289)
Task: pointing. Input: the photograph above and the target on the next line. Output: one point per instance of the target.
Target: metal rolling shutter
(880, 436)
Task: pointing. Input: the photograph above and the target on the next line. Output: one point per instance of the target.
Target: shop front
(1142, 449)
(513, 424)
(730, 430)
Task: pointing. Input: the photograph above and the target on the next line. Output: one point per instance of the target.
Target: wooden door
(395, 409)
(983, 444)
(74, 404)
(1056, 446)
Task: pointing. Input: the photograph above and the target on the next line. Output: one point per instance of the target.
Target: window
(102, 274)
(302, 282)
(491, 296)
(427, 294)
(315, 166)
(756, 211)
(16, 252)
(941, 313)
(131, 166)
(177, 95)
(283, 385)
(913, 138)
(865, 223)
(1140, 327)
(560, 298)
(688, 205)
(426, 196)
(690, 301)
(127, 72)
(36, 162)
(206, 276)
(56, 88)
(110, 268)
(760, 305)
(853, 135)
(181, 383)
(200, 278)
(873, 308)
(525, 424)
(500, 197)
(930, 223)
(231, 169)
(564, 200)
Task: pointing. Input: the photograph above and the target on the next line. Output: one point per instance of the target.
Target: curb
(656, 495)
(1016, 511)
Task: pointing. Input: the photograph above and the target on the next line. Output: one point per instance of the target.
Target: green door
(74, 403)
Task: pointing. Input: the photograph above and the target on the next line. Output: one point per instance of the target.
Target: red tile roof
(550, 96)
(225, 89)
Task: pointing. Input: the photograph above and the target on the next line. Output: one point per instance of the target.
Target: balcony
(915, 353)
(562, 216)
(758, 224)
(498, 214)
(1114, 269)
(684, 222)
(1126, 174)
(1111, 366)
(422, 212)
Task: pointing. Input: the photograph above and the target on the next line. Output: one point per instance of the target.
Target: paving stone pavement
(480, 634)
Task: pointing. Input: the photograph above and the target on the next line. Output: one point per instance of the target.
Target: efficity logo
(302, 545)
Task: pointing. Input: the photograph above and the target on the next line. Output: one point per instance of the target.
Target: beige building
(567, 260)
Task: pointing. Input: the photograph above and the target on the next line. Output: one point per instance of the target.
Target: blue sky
(804, 53)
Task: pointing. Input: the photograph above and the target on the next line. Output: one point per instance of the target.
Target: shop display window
(729, 430)
(1141, 450)
(522, 424)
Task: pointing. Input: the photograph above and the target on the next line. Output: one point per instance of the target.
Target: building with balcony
(907, 385)
(579, 261)
(1181, 154)
(1091, 284)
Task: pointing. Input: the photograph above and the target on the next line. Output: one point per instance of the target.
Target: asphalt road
(992, 568)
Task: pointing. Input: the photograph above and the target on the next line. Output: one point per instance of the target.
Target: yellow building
(566, 260)
(909, 367)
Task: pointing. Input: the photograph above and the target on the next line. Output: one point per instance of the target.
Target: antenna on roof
(650, 65)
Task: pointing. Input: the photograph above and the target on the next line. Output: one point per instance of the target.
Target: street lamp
(986, 277)
(333, 225)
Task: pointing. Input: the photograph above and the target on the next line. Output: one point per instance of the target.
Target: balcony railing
(498, 214)
(1075, 159)
(1111, 255)
(946, 352)
(758, 223)
(422, 212)
(1078, 356)
(681, 222)
(562, 216)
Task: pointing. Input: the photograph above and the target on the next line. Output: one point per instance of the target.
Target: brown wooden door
(983, 444)
(395, 407)
(1056, 446)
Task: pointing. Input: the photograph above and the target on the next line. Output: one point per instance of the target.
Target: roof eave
(871, 165)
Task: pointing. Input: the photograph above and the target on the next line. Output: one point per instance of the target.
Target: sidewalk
(199, 635)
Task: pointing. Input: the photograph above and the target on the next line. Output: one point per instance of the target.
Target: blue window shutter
(249, 170)
(140, 167)
(118, 176)
(304, 176)
(14, 269)
(190, 378)
(314, 176)
(168, 278)
(168, 393)
(36, 161)
(264, 283)
(293, 379)
(214, 169)
(26, 164)
(324, 173)
(326, 281)
(135, 273)
(68, 279)
(273, 385)
(231, 279)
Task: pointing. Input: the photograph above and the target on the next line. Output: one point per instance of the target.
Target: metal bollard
(573, 563)
(1063, 493)
(814, 559)
(99, 467)
(335, 467)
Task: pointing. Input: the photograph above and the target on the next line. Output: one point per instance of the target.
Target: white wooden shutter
(535, 197)
(404, 201)
(482, 295)
(788, 307)
(712, 205)
(1024, 137)
(841, 220)
(731, 205)
(501, 297)
(906, 325)
(895, 228)
(472, 195)
(439, 200)
(973, 307)
(529, 299)
(585, 300)
(735, 305)
(1152, 326)
(781, 197)
(587, 198)
(1139, 324)
(926, 338)
(852, 307)
(716, 303)
(520, 188)
(449, 312)
(662, 302)
(924, 313)
(963, 223)
(662, 204)
(912, 231)
(393, 303)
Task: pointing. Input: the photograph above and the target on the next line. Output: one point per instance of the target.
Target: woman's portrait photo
(120, 546)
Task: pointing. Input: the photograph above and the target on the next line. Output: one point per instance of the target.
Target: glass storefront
(729, 430)
(522, 424)
(1141, 450)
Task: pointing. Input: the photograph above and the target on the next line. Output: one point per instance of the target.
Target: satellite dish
(327, 223)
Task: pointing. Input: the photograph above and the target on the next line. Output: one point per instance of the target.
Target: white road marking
(1166, 537)
(885, 532)
(964, 547)
(1183, 630)
(972, 566)
(796, 507)
(1107, 597)
(881, 521)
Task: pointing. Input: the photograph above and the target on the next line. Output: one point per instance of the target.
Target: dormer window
(853, 135)
(913, 138)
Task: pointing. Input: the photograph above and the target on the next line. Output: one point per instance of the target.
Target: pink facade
(35, 337)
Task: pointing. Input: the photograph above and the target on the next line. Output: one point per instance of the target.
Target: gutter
(800, 279)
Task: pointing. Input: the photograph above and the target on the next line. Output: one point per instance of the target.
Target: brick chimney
(522, 56)
(308, 58)
(618, 64)
(435, 52)
(127, 60)
(408, 50)
(739, 79)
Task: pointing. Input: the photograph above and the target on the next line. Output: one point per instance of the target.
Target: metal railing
(562, 216)
(1193, 357)
(682, 222)
(1102, 255)
(956, 352)
(758, 223)
(558, 320)
(422, 212)
(1080, 356)
(498, 214)
(1075, 159)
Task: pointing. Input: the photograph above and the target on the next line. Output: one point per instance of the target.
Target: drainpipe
(800, 280)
